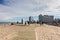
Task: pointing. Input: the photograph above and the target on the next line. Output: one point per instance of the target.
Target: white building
(46, 18)
(22, 21)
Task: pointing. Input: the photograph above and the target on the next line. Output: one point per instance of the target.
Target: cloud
(52, 7)
(16, 8)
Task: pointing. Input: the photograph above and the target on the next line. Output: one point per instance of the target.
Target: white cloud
(14, 8)
(53, 7)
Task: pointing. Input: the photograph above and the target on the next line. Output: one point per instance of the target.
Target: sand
(7, 32)
(32, 32)
(47, 32)
(17, 32)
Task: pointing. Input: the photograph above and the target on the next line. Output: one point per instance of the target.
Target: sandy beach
(47, 32)
(31, 32)
(17, 32)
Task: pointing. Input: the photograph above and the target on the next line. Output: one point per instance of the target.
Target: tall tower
(31, 19)
(40, 18)
(22, 21)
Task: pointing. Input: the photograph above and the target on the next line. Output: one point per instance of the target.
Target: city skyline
(26, 18)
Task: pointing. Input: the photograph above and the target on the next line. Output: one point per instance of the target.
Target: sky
(10, 9)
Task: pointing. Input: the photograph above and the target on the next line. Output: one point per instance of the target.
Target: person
(12, 23)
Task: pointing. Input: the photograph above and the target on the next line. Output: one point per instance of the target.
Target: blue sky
(1, 1)
(11, 9)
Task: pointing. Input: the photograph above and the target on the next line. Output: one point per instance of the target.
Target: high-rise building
(31, 19)
(46, 18)
(40, 18)
(22, 21)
